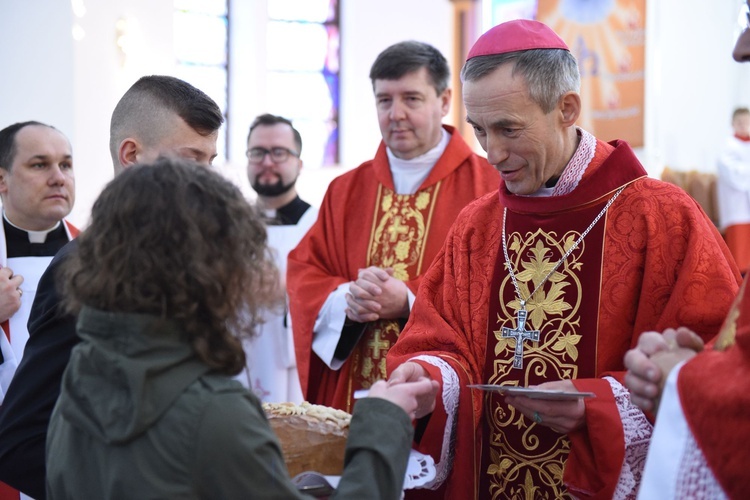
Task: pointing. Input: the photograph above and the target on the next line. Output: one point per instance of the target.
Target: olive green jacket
(140, 416)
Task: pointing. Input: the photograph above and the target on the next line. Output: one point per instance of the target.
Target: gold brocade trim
(399, 233)
(728, 332)
(369, 361)
(400, 228)
(523, 464)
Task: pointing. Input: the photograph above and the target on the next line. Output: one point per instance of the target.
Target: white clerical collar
(575, 168)
(270, 213)
(34, 236)
(408, 175)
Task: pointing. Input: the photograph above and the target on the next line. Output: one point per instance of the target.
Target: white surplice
(271, 370)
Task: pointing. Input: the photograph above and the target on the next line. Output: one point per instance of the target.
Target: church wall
(692, 83)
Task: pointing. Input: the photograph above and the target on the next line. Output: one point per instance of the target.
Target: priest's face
(410, 113)
(38, 188)
(526, 145)
(273, 164)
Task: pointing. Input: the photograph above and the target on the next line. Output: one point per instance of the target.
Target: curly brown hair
(177, 240)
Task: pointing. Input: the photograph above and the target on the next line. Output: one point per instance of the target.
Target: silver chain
(559, 263)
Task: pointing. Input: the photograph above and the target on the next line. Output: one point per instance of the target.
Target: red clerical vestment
(362, 222)
(714, 392)
(650, 263)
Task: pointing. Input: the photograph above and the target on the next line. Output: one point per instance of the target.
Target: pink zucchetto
(521, 34)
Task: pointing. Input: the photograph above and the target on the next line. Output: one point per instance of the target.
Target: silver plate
(532, 392)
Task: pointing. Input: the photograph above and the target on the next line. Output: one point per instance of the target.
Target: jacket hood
(128, 369)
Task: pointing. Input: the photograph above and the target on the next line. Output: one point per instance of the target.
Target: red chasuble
(714, 392)
(648, 264)
(362, 222)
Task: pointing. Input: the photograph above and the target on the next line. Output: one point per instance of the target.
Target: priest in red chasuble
(548, 282)
(352, 278)
(699, 445)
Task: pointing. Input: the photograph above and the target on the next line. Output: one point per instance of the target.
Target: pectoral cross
(519, 333)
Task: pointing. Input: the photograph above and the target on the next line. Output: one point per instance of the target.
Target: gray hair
(549, 73)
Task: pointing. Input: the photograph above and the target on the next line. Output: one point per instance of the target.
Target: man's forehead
(415, 78)
(276, 131)
(36, 131)
(41, 138)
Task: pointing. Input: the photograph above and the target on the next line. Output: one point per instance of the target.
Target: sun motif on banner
(608, 39)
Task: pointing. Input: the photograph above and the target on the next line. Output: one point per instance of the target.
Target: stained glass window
(200, 41)
(303, 72)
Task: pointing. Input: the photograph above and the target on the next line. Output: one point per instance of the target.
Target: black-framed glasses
(278, 154)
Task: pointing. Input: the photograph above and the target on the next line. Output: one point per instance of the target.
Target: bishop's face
(525, 144)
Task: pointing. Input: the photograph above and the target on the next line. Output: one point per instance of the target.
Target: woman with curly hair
(172, 268)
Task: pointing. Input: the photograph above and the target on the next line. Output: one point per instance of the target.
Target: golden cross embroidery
(377, 344)
(519, 333)
(397, 229)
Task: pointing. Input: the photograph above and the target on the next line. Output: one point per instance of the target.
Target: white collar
(34, 236)
(408, 175)
(575, 168)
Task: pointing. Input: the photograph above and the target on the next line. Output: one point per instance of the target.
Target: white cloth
(330, 323)
(733, 183)
(31, 268)
(408, 175)
(271, 370)
(675, 466)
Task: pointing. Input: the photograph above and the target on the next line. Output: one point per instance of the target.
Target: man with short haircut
(352, 278)
(545, 284)
(273, 154)
(37, 187)
(157, 116)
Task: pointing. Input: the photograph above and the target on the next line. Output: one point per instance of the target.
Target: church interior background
(658, 74)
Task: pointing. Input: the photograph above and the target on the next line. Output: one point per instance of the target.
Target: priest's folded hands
(561, 416)
(650, 362)
(377, 294)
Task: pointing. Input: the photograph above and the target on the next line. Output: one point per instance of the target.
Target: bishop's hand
(410, 396)
(411, 372)
(561, 416)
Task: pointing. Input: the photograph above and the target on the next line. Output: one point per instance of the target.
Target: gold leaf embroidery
(501, 342)
(402, 249)
(387, 202)
(399, 271)
(515, 243)
(528, 486)
(553, 309)
(569, 242)
(500, 468)
(568, 343)
(556, 471)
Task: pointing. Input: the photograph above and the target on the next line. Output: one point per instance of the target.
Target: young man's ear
(127, 153)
